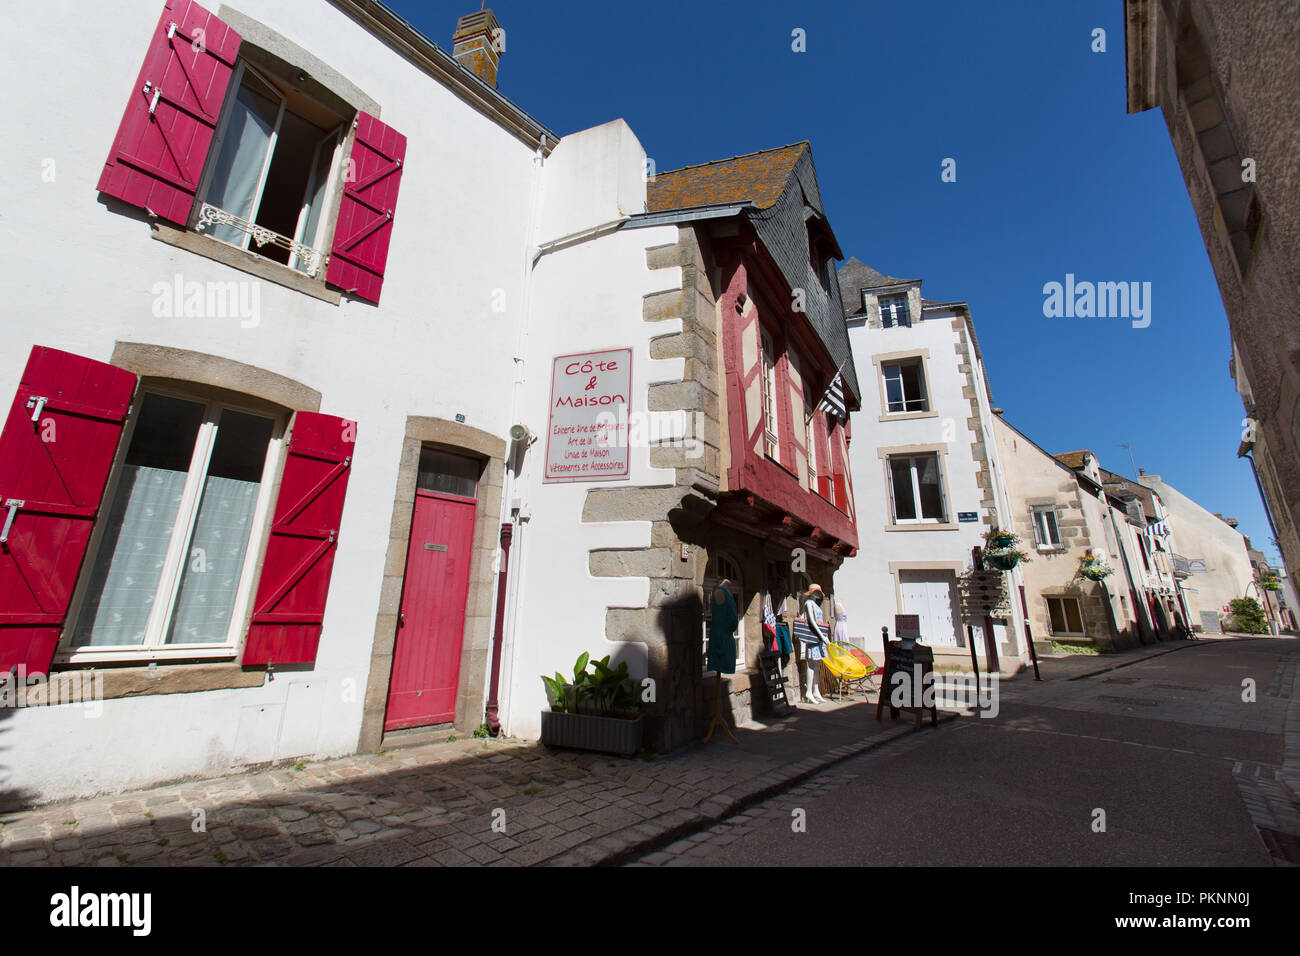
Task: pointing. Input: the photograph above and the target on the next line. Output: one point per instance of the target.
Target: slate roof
(776, 186)
(1128, 486)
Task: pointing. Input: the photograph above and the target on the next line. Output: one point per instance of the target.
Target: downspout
(493, 721)
(515, 457)
(1268, 511)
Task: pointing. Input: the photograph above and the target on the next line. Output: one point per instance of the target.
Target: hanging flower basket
(1003, 562)
(1093, 569)
(1002, 550)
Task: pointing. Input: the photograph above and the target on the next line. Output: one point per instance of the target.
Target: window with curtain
(277, 153)
(771, 412)
(810, 434)
(171, 565)
(1046, 532)
(894, 312)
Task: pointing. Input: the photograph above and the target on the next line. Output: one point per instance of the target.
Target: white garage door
(932, 595)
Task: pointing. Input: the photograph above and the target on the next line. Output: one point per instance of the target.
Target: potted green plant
(1002, 550)
(1094, 569)
(599, 709)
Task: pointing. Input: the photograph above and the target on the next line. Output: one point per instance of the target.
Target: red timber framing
(764, 496)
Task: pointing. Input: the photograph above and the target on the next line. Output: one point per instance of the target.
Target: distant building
(1214, 551)
(1227, 77)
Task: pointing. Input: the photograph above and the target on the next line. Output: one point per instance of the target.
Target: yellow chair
(843, 666)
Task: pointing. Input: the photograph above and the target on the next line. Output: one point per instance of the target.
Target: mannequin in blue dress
(814, 654)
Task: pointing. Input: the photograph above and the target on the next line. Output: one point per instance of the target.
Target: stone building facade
(1070, 516)
(1227, 77)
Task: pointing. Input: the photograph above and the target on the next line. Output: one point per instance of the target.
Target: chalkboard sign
(916, 662)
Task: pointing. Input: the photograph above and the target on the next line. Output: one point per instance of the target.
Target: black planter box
(611, 735)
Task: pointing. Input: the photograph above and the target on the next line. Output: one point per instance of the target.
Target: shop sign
(587, 428)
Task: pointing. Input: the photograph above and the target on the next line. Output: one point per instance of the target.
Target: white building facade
(299, 459)
(929, 476)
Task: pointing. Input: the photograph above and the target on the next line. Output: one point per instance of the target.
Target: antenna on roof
(1130, 456)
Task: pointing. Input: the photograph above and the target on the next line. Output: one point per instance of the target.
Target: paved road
(1182, 767)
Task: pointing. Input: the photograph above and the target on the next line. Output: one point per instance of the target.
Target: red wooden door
(431, 625)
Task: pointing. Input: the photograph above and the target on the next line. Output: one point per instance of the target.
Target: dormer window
(894, 312)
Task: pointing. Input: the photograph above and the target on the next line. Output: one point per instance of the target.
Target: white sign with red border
(587, 430)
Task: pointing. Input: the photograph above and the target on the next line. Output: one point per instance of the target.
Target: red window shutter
(290, 604)
(365, 222)
(56, 452)
(162, 143)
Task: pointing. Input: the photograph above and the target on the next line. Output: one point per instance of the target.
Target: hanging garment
(783, 643)
(722, 628)
(769, 625)
(841, 623)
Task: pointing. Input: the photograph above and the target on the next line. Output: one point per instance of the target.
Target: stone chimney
(478, 44)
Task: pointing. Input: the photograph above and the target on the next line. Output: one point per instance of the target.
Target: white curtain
(124, 580)
(247, 139)
(316, 194)
(216, 557)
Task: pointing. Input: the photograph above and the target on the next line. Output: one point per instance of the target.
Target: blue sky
(1053, 177)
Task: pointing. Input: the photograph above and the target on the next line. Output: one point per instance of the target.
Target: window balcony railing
(309, 259)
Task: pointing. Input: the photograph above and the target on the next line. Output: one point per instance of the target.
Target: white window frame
(1040, 528)
(890, 321)
(923, 399)
(771, 405)
(810, 435)
(912, 460)
(178, 548)
(1078, 605)
(722, 565)
(324, 224)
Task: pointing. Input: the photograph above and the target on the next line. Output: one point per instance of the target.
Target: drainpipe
(493, 721)
(515, 459)
(1268, 511)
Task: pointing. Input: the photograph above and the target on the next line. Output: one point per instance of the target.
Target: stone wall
(1227, 82)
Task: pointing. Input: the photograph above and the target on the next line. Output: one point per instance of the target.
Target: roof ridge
(756, 152)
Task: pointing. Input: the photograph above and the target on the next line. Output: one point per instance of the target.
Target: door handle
(13, 504)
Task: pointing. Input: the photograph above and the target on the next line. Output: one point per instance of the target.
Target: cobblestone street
(515, 803)
(437, 804)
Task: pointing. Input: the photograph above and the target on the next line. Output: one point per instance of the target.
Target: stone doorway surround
(477, 646)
